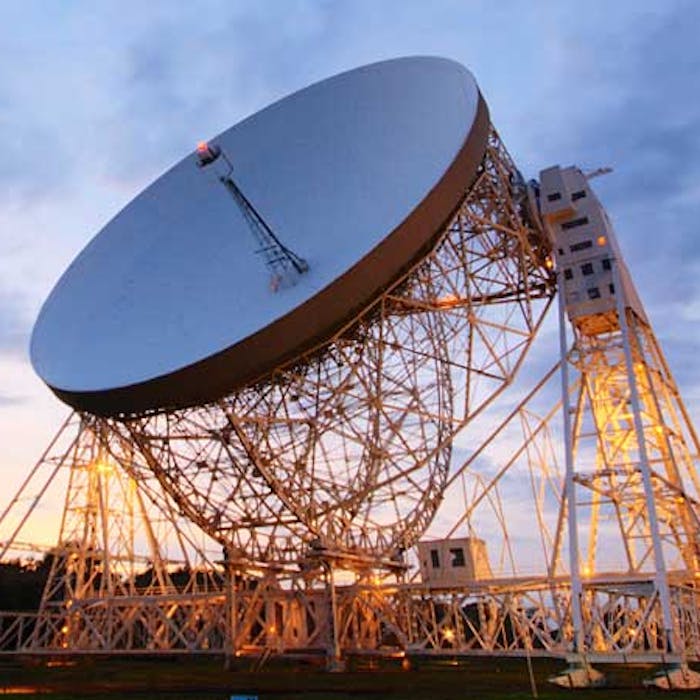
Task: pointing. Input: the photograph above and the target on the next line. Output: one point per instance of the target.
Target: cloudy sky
(97, 98)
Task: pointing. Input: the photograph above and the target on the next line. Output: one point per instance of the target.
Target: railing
(16, 630)
(532, 617)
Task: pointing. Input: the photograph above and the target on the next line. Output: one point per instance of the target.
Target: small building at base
(453, 561)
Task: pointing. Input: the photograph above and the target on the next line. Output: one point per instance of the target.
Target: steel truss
(513, 617)
(119, 540)
(632, 482)
(609, 455)
(95, 601)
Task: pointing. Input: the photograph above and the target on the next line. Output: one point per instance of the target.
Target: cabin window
(457, 557)
(581, 246)
(574, 223)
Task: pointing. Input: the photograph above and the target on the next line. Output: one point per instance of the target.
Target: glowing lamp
(602, 240)
(207, 153)
(103, 467)
(447, 301)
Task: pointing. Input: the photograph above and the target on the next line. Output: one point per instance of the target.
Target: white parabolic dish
(170, 305)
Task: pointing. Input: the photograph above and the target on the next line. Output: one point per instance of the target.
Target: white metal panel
(174, 278)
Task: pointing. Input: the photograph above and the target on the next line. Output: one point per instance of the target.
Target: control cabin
(453, 562)
(585, 250)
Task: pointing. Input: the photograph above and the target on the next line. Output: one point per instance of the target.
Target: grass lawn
(174, 678)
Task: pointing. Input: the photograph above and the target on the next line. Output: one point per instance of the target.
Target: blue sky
(96, 99)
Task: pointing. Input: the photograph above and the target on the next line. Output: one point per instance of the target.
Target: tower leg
(334, 658)
(674, 677)
(570, 485)
(579, 674)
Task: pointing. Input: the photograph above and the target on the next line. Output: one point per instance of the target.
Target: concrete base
(336, 665)
(675, 677)
(578, 675)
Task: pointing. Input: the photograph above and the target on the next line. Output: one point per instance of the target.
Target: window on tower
(580, 246)
(574, 223)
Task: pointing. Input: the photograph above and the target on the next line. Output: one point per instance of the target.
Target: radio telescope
(291, 324)
(298, 340)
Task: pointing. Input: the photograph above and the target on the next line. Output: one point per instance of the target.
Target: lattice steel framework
(347, 449)
(511, 617)
(341, 460)
(112, 547)
(609, 455)
(632, 479)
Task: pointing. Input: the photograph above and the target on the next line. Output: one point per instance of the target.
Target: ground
(174, 678)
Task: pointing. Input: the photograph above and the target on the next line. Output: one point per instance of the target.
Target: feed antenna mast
(280, 260)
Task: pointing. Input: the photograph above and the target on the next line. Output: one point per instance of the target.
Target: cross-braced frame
(347, 449)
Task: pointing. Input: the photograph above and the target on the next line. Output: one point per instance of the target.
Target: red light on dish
(207, 153)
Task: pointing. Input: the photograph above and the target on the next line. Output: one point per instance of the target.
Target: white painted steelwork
(314, 479)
